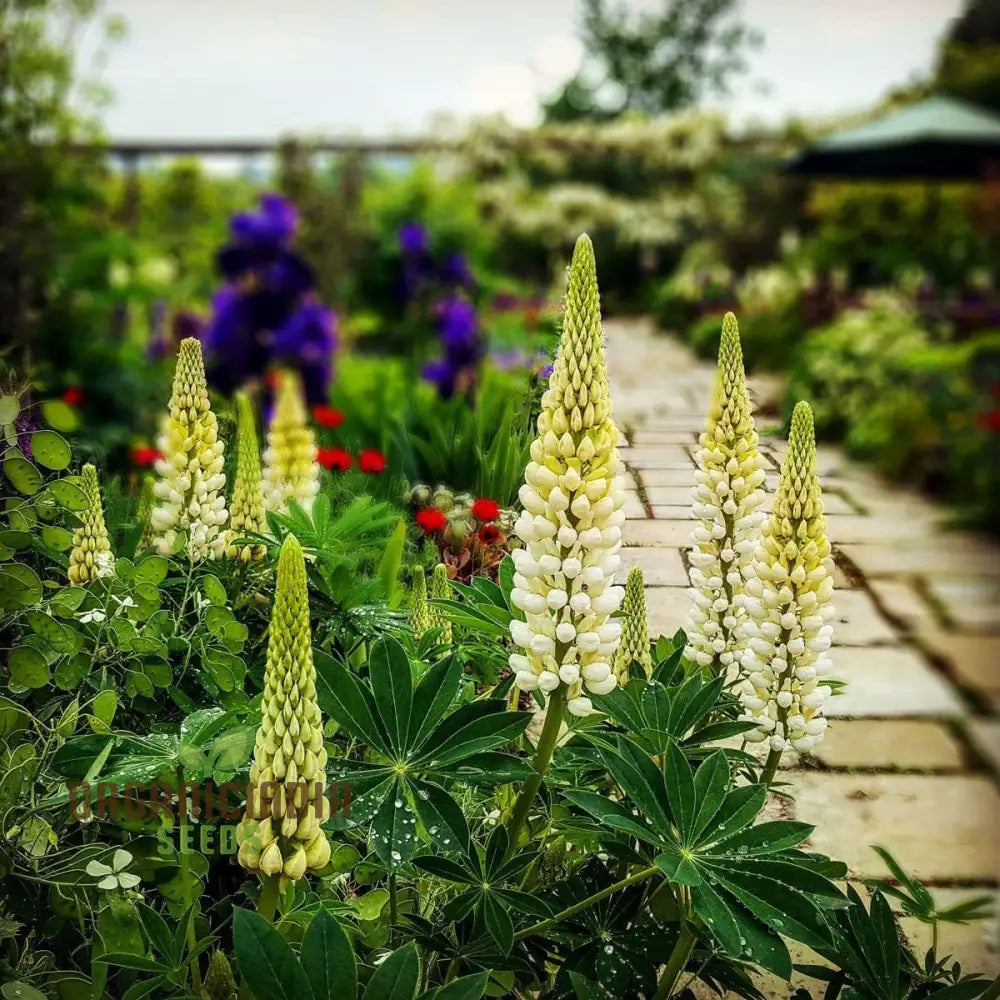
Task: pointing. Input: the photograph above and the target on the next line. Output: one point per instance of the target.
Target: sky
(263, 68)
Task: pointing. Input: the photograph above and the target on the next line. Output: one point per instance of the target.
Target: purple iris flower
(283, 215)
(412, 239)
(455, 271)
(442, 374)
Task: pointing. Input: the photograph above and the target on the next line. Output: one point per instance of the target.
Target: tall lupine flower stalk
(144, 512)
(726, 499)
(191, 503)
(246, 507)
(90, 557)
(280, 835)
(420, 612)
(291, 471)
(440, 591)
(634, 647)
(571, 522)
(789, 608)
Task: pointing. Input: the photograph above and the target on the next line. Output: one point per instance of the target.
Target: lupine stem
(676, 963)
(770, 768)
(543, 757)
(268, 901)
(571, 911)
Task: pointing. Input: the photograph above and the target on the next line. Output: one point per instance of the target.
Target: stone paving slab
(941, 828)
(858, 622)
(985, 737)
(974, 660)
(900, 744)
(948, 566)
(671, 512)
(890, 682)
(670, 534)
(660, 567)
(666, 609)
(903, 602)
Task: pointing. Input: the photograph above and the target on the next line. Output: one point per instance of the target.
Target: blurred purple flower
(412, 239)
(504, 301)
(463, 347)
(455, 271)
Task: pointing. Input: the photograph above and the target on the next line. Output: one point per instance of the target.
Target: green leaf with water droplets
(28, 667)
(21, 473)
(68, 495)
(51, 450)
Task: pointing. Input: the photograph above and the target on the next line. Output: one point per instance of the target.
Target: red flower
(485, 510)
(335, 459)
(327, 416)
(73, 396)
(489, 534)
(989, 421)
(431, 520)
(146, 456)
(371, 461)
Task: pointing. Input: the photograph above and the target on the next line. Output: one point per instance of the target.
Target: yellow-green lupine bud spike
(440, 591)
(147, 500)
(246, 508)
(220, 984)
(191, 503)
(635, 629)
(291, 471)
(572, 516)
(726, 498)
(285, 803)
(420, 613)
(91, 556)
(789, 607)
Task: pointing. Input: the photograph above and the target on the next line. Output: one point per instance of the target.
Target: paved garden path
(912, 759)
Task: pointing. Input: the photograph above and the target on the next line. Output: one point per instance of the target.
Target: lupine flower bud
(420, 612)
(220, 984)
(440, 591)
(91, 556)
(280, 832)
(788, 631)
(147, 500)
(570, 546)
(191, 503)
(728, 492)
(634, 647)
(291, 471)
(246, 508)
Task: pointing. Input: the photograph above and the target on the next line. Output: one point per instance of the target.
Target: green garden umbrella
(935, 139)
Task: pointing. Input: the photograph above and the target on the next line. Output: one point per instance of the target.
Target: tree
(654, 62)
(969, 57)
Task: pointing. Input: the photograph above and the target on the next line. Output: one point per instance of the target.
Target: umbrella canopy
(936, 139)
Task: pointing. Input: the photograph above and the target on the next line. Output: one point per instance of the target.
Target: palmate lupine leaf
(748, 882)
(417, 746)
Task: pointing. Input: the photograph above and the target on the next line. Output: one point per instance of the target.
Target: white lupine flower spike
(726, 499)
(788, 626)
(571, 524)
(191, 504)
(291, 471)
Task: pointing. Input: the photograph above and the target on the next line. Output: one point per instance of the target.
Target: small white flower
(115, 876)
(87, 617)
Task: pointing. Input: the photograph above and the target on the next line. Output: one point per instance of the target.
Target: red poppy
(146, 456)
(371, 461)
(327, 416)
(335, 459)
(73, 396)
(989, 421)
(431, 520)
(485, 510)
(490, 534)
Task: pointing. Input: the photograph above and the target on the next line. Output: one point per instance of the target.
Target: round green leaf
(142, 684)
(60, 415)
(103, 708)
(19, 587)
(158, 671)
(56, 538)
(71, 672)
(16, 540)
(125, 569)
(57, 635)
(28, 667)
(10, 407)
(23, 476)
(51, 450)
(153, 569)
(68, 495)
(213, 589)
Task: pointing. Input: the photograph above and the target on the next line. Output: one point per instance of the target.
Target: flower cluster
(462, 348)
(788, 599)
(291, 471)
(247, 504)
(91, 557)
(419, 270)
(471, 535)
(440, 591)
(726, 498)
(281, 834)
(189, 490)
(420, 612)
(267, 313)
(370, 460)
(634, 647)
(572, 519)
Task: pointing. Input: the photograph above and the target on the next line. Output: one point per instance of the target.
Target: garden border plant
(583, 826)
